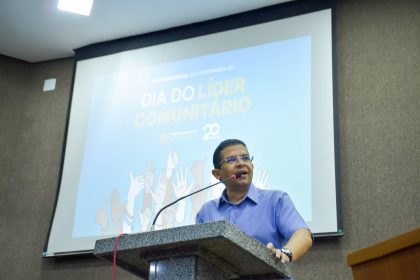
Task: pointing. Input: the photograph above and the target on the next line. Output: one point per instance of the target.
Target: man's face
(229, 168)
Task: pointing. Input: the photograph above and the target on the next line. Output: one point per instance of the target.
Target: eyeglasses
(235, 159)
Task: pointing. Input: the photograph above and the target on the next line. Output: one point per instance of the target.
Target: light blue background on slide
(276, 128)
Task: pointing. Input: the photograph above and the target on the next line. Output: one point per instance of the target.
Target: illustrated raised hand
(262, 179)
(171, 163)
(117, 209)
(136, 185)
(102, 219)
(150, 175)
(145, 219)
(217, 190)
(197, 170)
(181, 187)
(159, 195)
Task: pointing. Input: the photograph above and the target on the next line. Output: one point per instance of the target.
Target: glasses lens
(230, 160)
(245, 158)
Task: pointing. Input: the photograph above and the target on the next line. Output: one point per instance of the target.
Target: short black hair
(217, 153)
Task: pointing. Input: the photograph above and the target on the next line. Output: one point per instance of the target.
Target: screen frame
(263, 15)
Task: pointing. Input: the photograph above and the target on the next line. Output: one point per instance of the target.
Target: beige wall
(378, 49)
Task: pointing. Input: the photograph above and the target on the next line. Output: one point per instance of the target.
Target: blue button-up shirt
(266, 215)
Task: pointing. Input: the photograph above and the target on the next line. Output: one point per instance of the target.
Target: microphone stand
(234, 176)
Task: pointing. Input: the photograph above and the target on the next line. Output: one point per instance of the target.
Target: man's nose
(239, 160)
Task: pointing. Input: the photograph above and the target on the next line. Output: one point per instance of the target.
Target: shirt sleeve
(288, 219)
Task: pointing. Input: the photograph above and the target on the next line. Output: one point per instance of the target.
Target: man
(267, 215)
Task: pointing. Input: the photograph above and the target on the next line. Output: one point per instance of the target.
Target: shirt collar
(251, 195)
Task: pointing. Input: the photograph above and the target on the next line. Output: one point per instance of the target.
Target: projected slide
(152, 131)
(145, 120)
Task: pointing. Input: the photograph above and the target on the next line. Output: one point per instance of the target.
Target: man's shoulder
(211, 203)
(271, 192)
(272, 196)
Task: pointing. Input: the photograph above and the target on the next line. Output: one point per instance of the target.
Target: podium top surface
(220, 243)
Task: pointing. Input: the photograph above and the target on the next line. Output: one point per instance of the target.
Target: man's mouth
(241, 173)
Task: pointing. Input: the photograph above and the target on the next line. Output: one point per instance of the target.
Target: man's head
(231, 157)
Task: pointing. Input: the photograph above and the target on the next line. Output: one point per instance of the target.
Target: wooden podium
(216, 250)
(396, 258)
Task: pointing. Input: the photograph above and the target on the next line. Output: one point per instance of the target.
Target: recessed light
(82, 7)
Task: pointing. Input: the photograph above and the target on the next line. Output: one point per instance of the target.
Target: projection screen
(144, 123)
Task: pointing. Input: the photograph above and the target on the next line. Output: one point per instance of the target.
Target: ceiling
(35, 30)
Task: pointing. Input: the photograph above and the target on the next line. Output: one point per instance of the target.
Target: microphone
(234, 177)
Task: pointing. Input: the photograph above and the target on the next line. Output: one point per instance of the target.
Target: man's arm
(298, 244)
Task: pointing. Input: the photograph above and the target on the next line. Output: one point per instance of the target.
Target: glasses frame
(237, 158)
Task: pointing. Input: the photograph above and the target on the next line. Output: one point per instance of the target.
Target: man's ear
(216, 173)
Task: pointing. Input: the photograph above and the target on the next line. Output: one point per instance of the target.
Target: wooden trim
(385, 247)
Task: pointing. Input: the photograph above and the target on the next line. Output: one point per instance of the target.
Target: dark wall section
(378, 49)
(378, 53)
(32, 129)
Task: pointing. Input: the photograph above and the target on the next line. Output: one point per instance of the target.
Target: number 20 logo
(211, 131)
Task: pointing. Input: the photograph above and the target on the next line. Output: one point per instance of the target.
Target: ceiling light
(82, 7)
